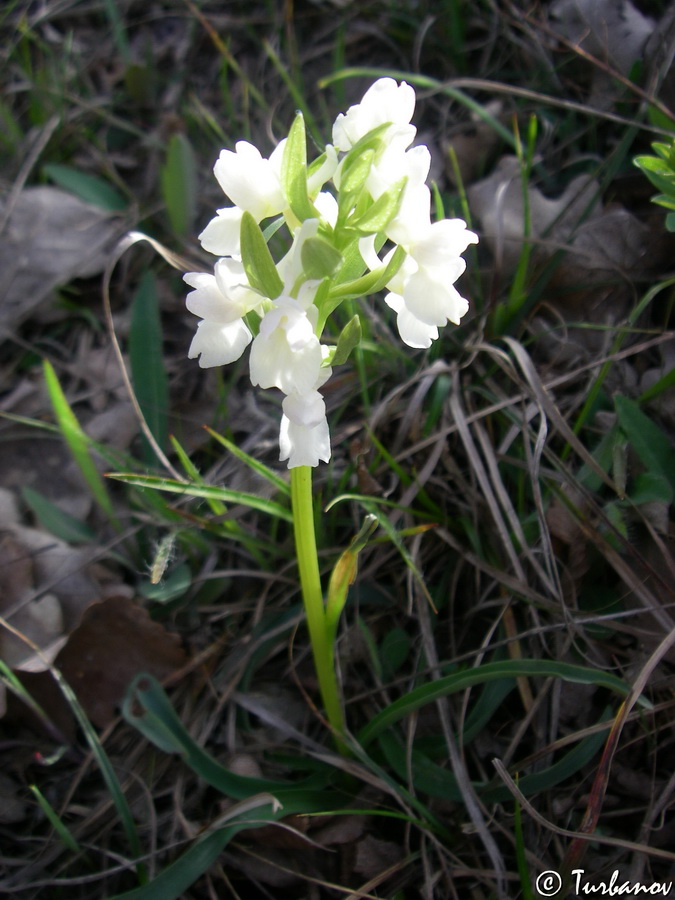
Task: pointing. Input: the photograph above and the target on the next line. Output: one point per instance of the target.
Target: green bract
(258, 263)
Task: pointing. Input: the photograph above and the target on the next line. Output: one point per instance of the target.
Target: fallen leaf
(611, 30)
(49, 238)
(115, 641)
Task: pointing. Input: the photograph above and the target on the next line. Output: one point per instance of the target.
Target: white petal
(396, 163)
(304, 409)
(325, 171)
(251, 182)
(286, 352)
(367, 251)
(231, 279)
(207, 300)
(290, 268)
(433, 301)
(413, 332)
(384, 101)
(218, 345)
(221, 235)
(443, 242)
(413, 218)
(327, 206)
(304, 437)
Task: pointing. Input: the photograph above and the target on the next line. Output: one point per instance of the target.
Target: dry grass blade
(471, 802)
(591, 817)
(566, 832)
(134, 237)
(547, 404)
(487, 489)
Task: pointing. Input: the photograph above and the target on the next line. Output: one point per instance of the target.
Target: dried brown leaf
(115, 641)
(50, 237)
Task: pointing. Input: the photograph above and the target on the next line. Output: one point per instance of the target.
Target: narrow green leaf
(394, 650)
(649, 442)
(258, 263)
(146, 356)
(56, 520)
(89, 188)
(66, 837)
(371, 282)
(255, 465)
(175, 585)
(147, 707)
(178, 180)
(108, 774)
(217, 507)
(459, 681)
(173, 881)
(207, 491)
(650, 487)
(11, 683)
(77, 440)
(430, 778)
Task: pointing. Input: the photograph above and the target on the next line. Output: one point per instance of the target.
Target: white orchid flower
(251, 182)
(286, 352)
(384, 101)
(221, 300)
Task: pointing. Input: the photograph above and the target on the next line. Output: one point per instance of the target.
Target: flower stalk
(312, 595)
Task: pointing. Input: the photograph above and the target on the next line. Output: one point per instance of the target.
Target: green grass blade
(89, 188)
(173, 881)
(118, 29)
(77, 441)
(11, 683)
(156, 483)
(255, 465)
(107, 772)
(179, 184)
(217, 507)
(296, 92)
(459, 681)
(148, 373)
(54, 819)
(426, 83)
(56, 520)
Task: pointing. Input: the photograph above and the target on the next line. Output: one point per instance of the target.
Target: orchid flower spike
(366, 190)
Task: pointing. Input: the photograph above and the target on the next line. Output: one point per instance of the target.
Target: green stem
(312, 595)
